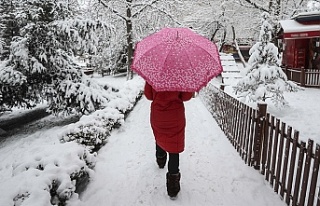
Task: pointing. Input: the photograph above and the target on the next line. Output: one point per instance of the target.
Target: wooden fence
(304, 77)
(264, 142)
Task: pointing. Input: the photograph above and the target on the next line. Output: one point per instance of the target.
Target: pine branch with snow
(43, 50)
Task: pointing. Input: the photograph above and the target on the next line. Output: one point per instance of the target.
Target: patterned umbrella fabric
(176, 59)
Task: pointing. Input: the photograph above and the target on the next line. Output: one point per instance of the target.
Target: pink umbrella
(176, 59)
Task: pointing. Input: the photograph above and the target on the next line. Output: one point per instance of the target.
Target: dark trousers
(173, 164)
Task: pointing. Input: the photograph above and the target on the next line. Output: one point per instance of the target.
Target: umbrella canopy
(176, 59)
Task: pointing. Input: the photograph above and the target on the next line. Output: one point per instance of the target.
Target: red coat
(168, 118)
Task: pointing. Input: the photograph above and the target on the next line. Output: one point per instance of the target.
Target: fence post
(259, 134)
(303, 77)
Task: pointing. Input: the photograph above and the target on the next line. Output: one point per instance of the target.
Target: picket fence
(264, 142)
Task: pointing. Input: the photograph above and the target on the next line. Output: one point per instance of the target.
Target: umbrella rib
(205, 49)
(164, 62)
(188, 58)
(218, 62)
(159, 43)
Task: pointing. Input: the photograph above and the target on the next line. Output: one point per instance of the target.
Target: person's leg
(161, 156)
(173, 175)
(173, 164)
(159, 151)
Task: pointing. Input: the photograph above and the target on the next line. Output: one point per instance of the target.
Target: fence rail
(304, 77)
(264, 142)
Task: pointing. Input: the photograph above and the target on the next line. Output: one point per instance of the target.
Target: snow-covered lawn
(302, 113)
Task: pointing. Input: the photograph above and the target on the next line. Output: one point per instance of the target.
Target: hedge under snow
(55, 172)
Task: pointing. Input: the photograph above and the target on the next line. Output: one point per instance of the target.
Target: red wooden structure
(300, 37)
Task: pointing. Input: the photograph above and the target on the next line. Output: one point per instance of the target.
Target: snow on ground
(126, 172)
(35, 158)
(212, 173)
(301, 114)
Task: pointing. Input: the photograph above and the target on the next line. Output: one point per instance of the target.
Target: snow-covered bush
(47, 178)
(54, 173)
(128, 96)
(93, 130)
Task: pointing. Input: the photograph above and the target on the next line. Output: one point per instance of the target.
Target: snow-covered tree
(134, 19)
(8, 26)
(248, 11)
(264, 77)
(41, 62)
(313, 6)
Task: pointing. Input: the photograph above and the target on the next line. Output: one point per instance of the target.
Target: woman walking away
(168, 123)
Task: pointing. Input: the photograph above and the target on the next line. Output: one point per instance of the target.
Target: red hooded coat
(168, 118)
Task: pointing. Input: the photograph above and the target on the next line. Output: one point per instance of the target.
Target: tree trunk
(214, 34)
(237, 46)
(129, 41)
(223, 39)
(274, 11)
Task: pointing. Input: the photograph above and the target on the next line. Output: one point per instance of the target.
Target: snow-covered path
(212, 173)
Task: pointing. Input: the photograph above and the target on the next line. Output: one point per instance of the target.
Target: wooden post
(303, 77)
(259, 134)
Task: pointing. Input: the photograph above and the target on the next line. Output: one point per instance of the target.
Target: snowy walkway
(212, 173)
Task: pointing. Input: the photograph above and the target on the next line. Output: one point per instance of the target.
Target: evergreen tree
(264, 77)
(8, 26)
(41, 65)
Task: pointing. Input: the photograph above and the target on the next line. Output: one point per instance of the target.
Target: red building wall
(295, 54)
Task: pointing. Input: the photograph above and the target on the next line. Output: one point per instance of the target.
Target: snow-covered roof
(307, 16)
(294, 26)
(309, 13)
(296, 29)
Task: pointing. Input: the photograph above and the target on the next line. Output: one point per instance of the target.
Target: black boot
(173, 184)
(162, 161)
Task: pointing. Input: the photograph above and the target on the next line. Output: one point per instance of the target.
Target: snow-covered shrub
(55, 174)
(48, 178)
(128, 96)
(83, 97)
(94, 129)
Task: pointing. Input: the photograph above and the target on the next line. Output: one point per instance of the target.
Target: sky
(125, 170)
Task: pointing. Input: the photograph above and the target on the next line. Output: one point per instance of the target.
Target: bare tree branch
(112, 10)
(256, 5)
(167, 14)
(142, 9)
